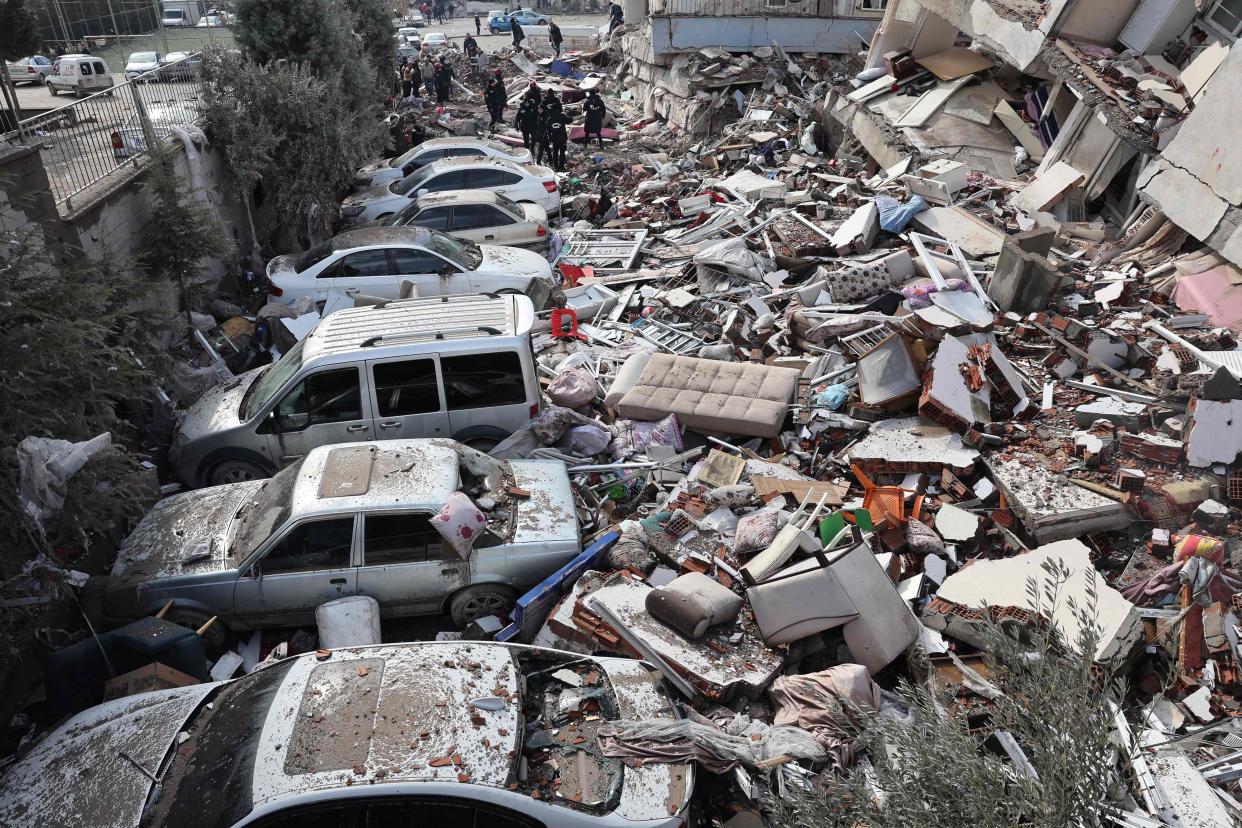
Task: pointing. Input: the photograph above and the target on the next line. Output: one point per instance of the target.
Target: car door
(311, 563)
(406, 566)
(500, 181)
(326, 407)
(365, 272)
(434, 218)
(432, 275)
(406, 398)
(62, 74)
(482, 224)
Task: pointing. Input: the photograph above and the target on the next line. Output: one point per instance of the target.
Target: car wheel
(383, 217)
(215, 638)
(480, 601)
(235, 471)
(483, 444)
(51, 88)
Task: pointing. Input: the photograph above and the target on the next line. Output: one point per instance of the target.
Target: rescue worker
(532, 91)
(549, 108)
(558, 137)
(528, 120)
(444, 83)
(470, 46)
(595, 110)
(407, 79)
(495, 97)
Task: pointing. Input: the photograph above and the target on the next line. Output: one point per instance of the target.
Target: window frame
(435, 374)
(309, 423)
(283, 532)
(397, 270)
(497, 215)
(446, 379)
(447, 553)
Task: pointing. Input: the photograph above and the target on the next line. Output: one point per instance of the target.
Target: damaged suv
(351, 519)
(450, 734)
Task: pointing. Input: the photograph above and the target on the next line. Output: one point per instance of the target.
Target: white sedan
(517, 182)
(142, 63)
(435, 149)
(479, 216)
(435, 40)
(376, 261)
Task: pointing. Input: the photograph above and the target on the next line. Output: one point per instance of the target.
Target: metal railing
(93, 143)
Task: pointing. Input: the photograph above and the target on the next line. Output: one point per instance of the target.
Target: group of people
(542, 120)
(439, 11)
(436, 78)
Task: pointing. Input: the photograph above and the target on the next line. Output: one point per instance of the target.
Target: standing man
(554, 34)
(595, 109)
(444, 83)
(478, 26)
(528, 120)
(483, 61)
(407, 79)
(470, 46)
(549, 109)
(518, 34)
(428, 75)
(558, 137)
(495, 97)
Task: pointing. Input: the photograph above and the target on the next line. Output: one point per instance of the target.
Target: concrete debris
(842, 358)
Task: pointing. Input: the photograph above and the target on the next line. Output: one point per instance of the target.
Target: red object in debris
(550, 186)
(275, 291)
(573, 273)
(559, 329)
(117, 143)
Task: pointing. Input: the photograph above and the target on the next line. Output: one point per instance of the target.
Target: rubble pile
(836, 412)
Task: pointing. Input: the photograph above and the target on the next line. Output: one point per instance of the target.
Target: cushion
(692, 603)
(706, 395)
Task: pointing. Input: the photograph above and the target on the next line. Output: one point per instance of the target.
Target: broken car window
(271, 381)
(405, 538)
(326, 397)
(265, 513)
(478, 380)
(310, 546)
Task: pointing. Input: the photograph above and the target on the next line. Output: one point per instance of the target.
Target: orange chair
(887, 504)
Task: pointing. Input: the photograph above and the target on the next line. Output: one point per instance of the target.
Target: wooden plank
(954, 63)
(766, 487)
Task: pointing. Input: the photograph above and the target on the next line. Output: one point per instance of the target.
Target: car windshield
(211, 775)
(173, 57)
(404, 158)
(313, 257)
(402, 217)
(264, 513)
(412, 182)
(142, 57)
(464, 254)
(270, 382)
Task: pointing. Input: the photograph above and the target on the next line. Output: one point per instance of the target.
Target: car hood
(218, 409)
(78, 774)
(369, 195)
(140, 67)
(549, 514)
(184, 534)
(513, 260)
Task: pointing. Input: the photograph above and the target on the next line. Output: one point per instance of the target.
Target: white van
(449, 366)
(80, 74)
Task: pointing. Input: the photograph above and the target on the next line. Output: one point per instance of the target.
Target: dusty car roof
(437, 712)
(458, 197)
(371, 236)
(476, 161)
(393, 473)
(77, 775)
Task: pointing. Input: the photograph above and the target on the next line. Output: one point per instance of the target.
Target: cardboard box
(153, 676)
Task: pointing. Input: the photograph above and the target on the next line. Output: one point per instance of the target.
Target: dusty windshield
(464, 254)
(263, 515)
(271, 381)
(412, 182)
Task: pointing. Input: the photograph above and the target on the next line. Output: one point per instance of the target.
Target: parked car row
(152, 66)
(501, 21)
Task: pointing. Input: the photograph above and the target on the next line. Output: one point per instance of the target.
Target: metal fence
(92, 143)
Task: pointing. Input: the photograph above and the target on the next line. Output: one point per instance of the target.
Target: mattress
(707, 395)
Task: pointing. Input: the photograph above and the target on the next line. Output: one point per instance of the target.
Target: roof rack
(382, 340)
(444, 300)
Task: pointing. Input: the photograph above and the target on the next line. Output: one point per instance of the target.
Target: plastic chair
(559, 330)
(833, 525)
(887, 504)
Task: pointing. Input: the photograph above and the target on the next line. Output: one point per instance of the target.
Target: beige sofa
(707, 395)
